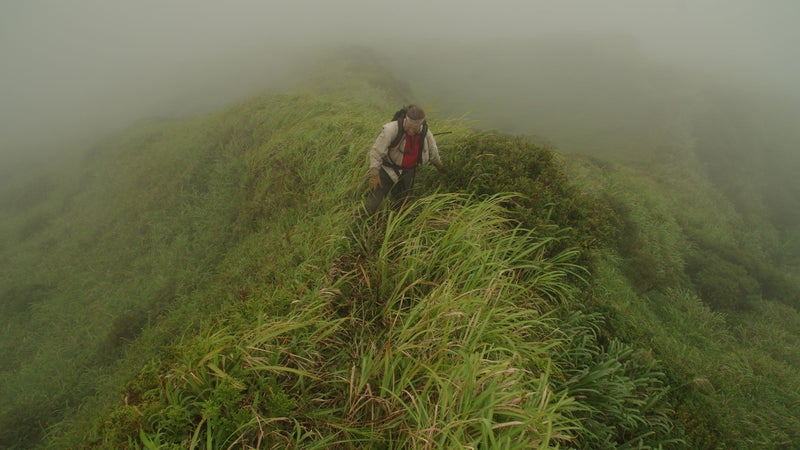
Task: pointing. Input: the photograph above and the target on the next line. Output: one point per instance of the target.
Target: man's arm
(435, 159)
(380, 148)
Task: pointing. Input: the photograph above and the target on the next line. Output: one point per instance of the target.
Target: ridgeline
(206, 282)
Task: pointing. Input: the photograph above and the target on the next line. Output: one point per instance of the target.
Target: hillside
(206, 282)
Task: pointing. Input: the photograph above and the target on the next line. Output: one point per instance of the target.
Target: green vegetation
(691, 277)
(206, 283)
(429, 339)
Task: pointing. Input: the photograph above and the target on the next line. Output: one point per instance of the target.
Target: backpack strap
(423, 134)
(400, 132)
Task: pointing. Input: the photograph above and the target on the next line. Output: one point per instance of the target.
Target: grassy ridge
(391, 283)
(265, 325)
(445, 333)
(226, 294)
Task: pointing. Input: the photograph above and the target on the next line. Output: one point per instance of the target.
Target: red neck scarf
(411, 151)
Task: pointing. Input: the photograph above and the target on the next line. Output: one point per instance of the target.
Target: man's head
(413, 121)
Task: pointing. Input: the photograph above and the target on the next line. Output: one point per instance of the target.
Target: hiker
(404, 143)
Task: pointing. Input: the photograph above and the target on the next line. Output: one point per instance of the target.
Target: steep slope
(108, 254)
(429, 327)
(207, 282)
(98, 249)
(694, 277)
(238, 259)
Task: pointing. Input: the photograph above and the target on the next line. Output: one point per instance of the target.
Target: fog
(72, 71)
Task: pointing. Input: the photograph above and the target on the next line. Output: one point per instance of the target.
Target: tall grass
(461, 296)
(407, 346)
(442, 324)
(690, 285)
(227, 297)
(433, 352)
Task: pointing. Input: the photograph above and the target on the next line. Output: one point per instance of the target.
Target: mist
(143, 236)
(73, 71)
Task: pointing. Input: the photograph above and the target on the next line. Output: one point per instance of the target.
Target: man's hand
(374, 181)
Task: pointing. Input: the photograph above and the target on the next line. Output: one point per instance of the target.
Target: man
(402, 145)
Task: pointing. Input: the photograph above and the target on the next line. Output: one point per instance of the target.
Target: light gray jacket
(381, 151)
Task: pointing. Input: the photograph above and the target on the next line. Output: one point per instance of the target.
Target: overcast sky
(88, 64)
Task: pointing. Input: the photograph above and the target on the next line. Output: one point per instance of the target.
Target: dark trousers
(399, 191)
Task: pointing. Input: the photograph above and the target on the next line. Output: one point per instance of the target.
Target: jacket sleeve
(433, 150)
(380, 149)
